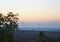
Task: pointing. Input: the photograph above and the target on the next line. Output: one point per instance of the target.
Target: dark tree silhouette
(7, 25)
(42, 37)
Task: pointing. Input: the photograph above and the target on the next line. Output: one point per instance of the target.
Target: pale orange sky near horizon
(32, 10)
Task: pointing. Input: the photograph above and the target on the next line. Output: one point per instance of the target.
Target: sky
(33, 10)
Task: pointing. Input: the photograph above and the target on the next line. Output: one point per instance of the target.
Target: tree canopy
(8, 23)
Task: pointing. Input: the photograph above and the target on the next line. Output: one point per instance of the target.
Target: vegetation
(7, 25)
(44, 38)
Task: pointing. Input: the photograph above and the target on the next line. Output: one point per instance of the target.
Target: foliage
(7, 25)
(44, 38)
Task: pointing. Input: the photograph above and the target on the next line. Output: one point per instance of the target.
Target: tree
(7, 25)
(42, 37)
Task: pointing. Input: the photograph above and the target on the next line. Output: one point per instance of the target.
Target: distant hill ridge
(43, 29)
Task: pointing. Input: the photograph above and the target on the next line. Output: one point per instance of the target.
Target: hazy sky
(33, 10)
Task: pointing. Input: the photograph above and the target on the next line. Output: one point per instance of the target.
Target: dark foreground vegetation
(36, 36)
(9, 32)
(49, 36)
(8, 24)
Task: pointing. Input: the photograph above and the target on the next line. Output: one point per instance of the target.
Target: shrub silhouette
(7, 25)
(42, 37)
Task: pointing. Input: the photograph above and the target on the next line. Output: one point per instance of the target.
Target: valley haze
(44, 26)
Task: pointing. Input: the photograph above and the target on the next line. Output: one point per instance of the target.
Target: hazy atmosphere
(43, 12)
